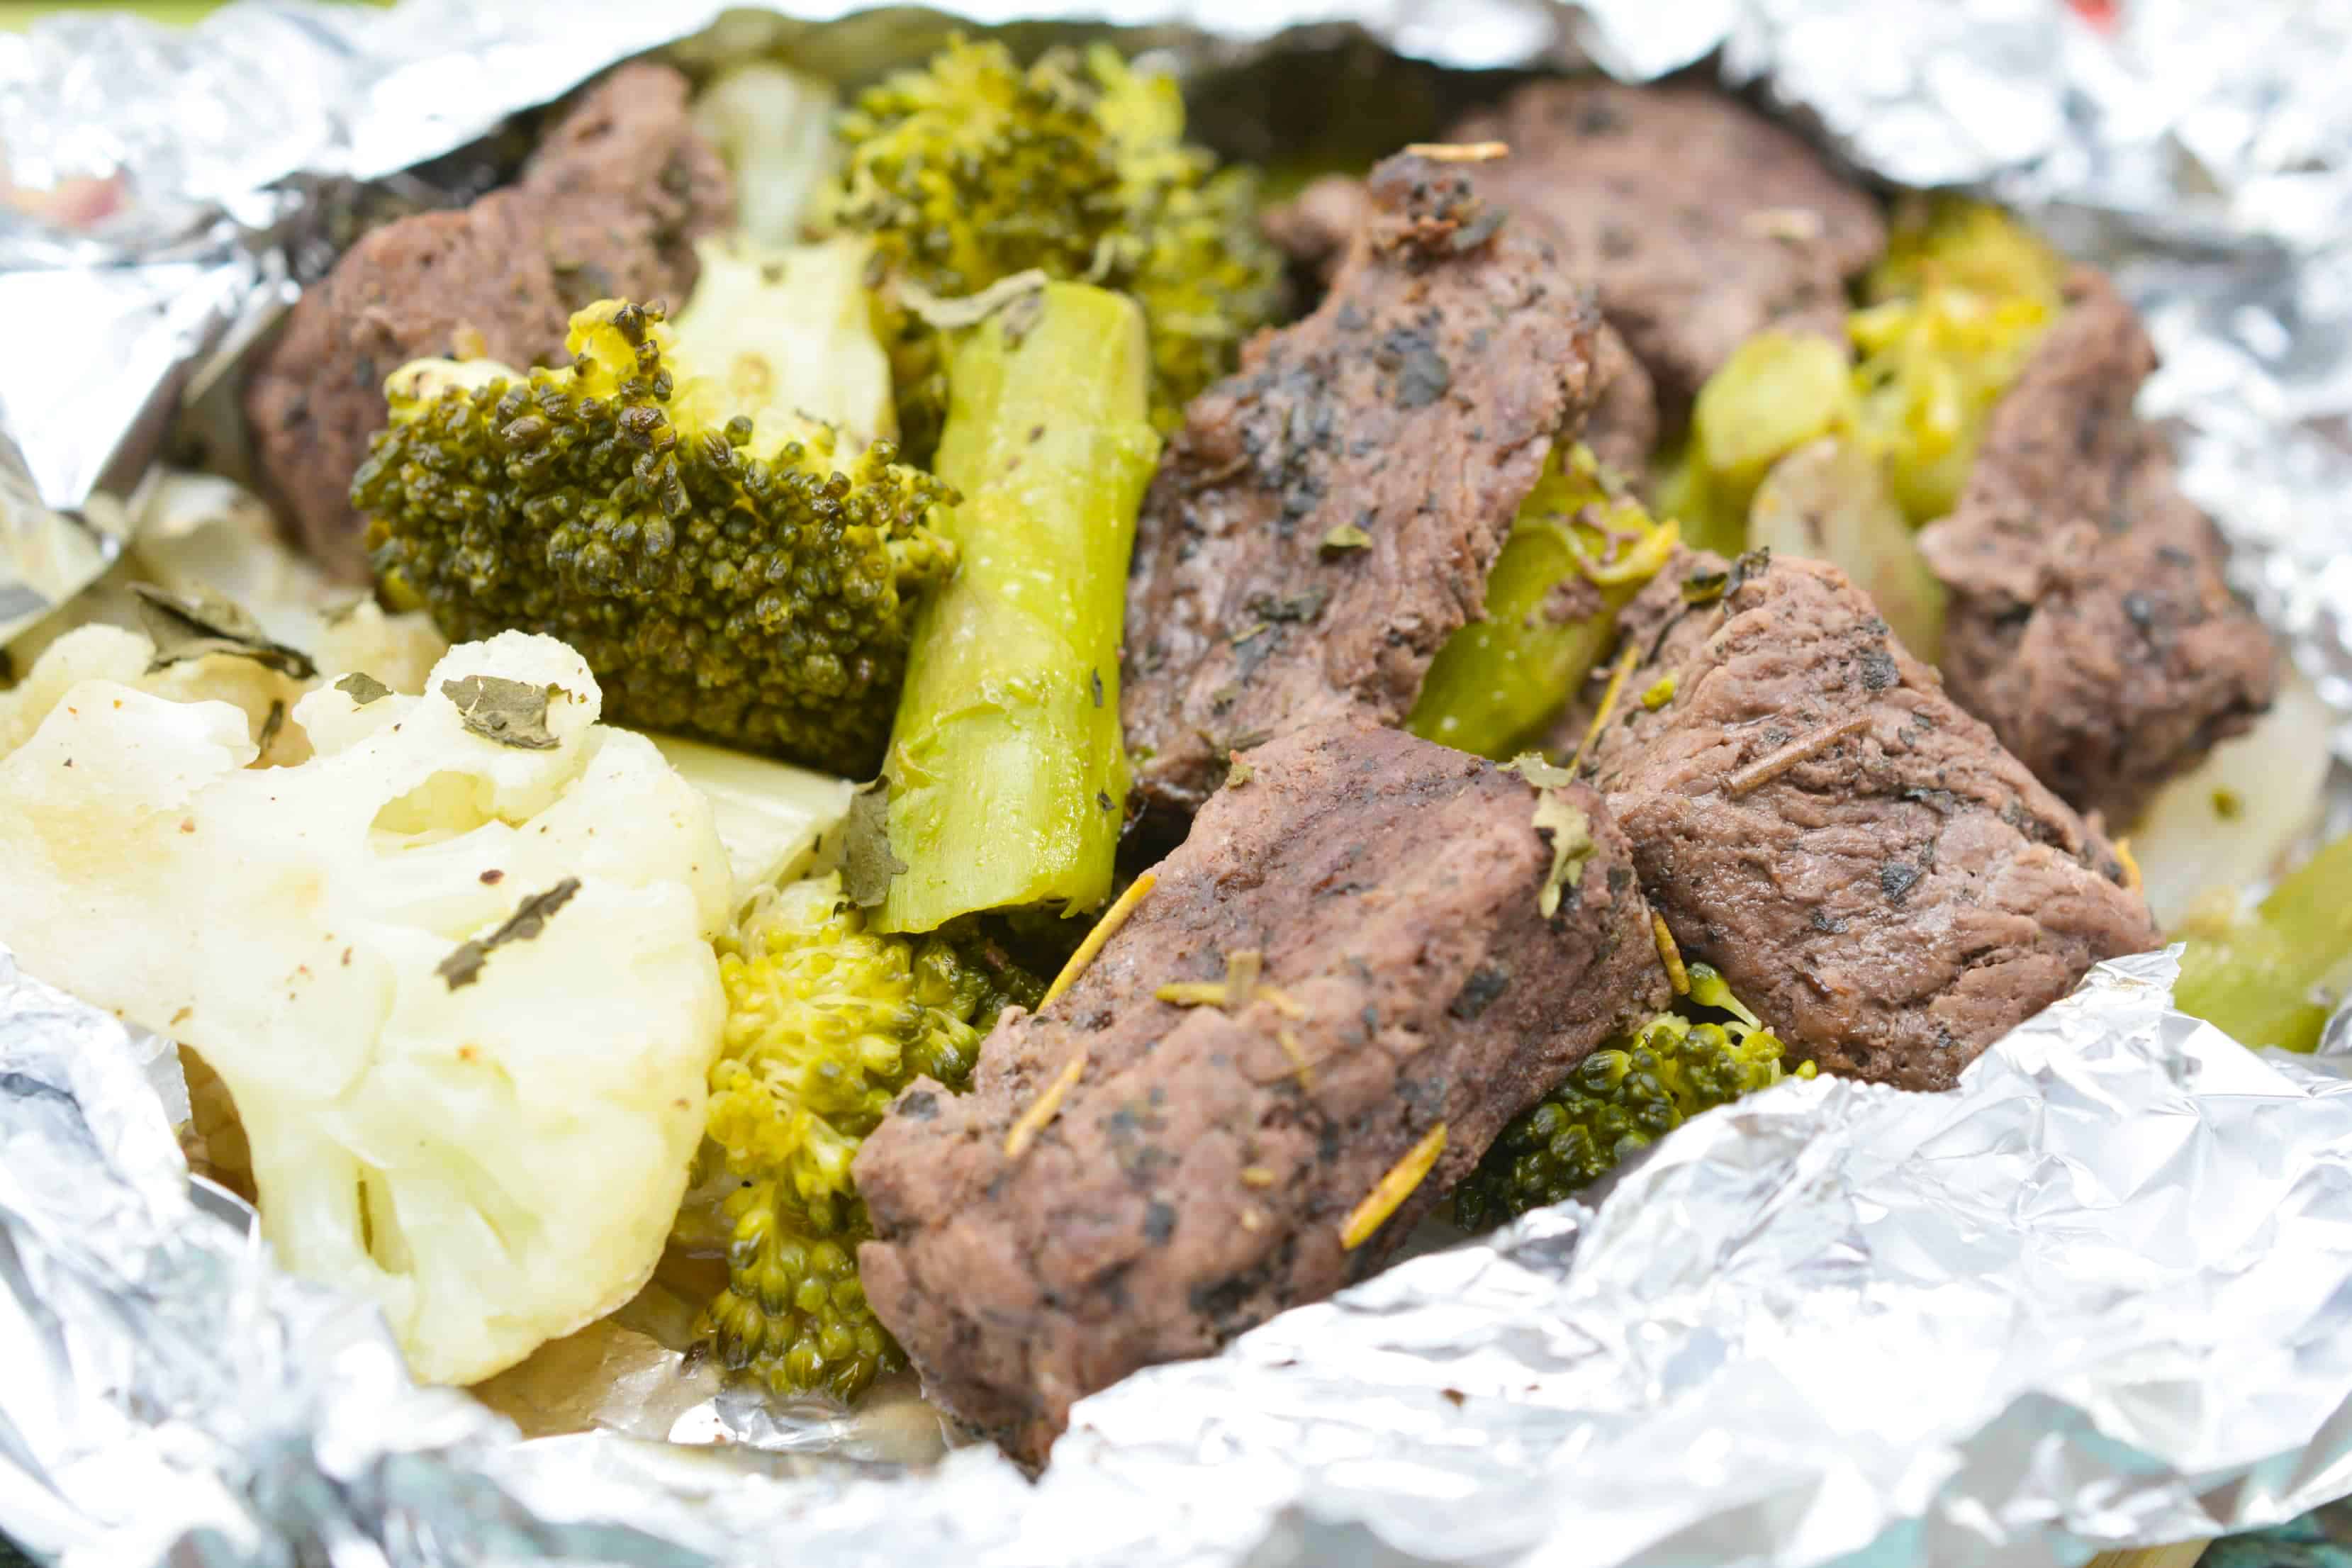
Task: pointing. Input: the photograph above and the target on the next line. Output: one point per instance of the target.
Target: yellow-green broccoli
(1580, 549)
(1621, 1099)
(972, 170)
(826, 1022)
(1951, 314)
(725, 575)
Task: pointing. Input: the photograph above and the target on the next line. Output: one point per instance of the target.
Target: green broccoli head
(722, 575)
(827, 1023)
(1619, 1100)
(972, 170)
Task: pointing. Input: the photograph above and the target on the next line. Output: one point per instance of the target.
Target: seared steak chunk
(1871, 871)
(1202, 1164)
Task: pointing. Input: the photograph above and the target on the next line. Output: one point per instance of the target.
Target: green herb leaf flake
(867, 863)
(464, 966)
(512, 713)
(1345, 537)
(203, 623)
(1570, 832)
(362, 689)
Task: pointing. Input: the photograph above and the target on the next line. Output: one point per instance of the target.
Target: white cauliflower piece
(102, 652)
(489, 1140)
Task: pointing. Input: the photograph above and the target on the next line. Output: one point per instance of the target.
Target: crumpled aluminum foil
(2096, 1295)
(2101, 1294)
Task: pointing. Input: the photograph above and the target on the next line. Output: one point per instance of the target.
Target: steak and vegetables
(1019, 790)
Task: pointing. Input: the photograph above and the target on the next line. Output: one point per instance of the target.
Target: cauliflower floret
(462, 991)
(100, 652)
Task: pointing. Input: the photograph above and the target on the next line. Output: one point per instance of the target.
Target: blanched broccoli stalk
(726, 568)
(1621, 1099)
(973, 170)
(774, 129)
(785, 337)
(1008, 775)
(2272, 976)
(1578, 550)
(828, 1021)
(455, 970)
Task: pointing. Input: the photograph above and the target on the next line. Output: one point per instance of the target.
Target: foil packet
(2099, 1295)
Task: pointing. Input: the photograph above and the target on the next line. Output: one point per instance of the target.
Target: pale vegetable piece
(774, 129)
(2235, 818)
(196, 534)
(399, 650)
(787, 337)
(480, 1123)
(1828, 501)
(771, 815)
(1778, 390)
(100, 652)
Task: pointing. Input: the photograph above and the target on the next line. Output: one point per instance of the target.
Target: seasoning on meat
(1887, 888)
(1314, 228)
(1199, 1172)
(2089, 624)
(607, 207)
(1699, 222)
(1417, 404)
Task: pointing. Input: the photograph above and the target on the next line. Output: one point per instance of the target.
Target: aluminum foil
(2096, 1295)
(2101, 1294)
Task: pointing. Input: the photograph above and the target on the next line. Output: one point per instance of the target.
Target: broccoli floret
(723, 576)
(1952, 315)
(826, 1022)
(1582, 546)
(1619, 1099)
(972, 170)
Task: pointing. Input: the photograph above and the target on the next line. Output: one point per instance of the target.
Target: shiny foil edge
(439, 1491)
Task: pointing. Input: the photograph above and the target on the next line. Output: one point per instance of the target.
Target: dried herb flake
(204, 624)
(1570, 832)
(866, 861)
(362, 689)
(464, 966)
(1344, 537)
(512, 713)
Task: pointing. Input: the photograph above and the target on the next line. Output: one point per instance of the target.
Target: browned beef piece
(1414, 411)
(1699, 222)
(2090, 625)
(1623, 424)
(607, 207)
(1197, 1176)
(1889, 888)
(1315, 227)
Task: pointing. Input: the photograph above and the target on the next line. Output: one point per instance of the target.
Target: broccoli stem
(2269, 978)
(1500, 681)
(1008, 773)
